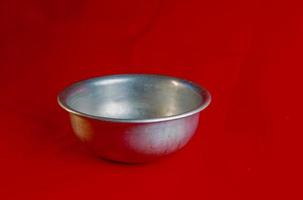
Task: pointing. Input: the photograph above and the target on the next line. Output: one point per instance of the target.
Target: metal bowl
(134, 117)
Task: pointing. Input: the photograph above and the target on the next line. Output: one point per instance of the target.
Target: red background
(247, 53)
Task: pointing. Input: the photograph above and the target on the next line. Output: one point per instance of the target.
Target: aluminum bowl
(134, 117)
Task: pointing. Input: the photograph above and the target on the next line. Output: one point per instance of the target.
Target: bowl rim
(206, 99)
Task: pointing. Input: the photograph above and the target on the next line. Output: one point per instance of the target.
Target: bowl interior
(133, 97)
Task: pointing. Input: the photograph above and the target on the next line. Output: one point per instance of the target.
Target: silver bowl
(134, 117)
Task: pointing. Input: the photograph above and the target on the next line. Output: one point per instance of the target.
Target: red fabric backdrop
(247, 53)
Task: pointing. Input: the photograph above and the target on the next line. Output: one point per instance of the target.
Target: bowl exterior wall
(134, 142)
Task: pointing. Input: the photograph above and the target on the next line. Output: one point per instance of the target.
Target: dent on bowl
(132, 117)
